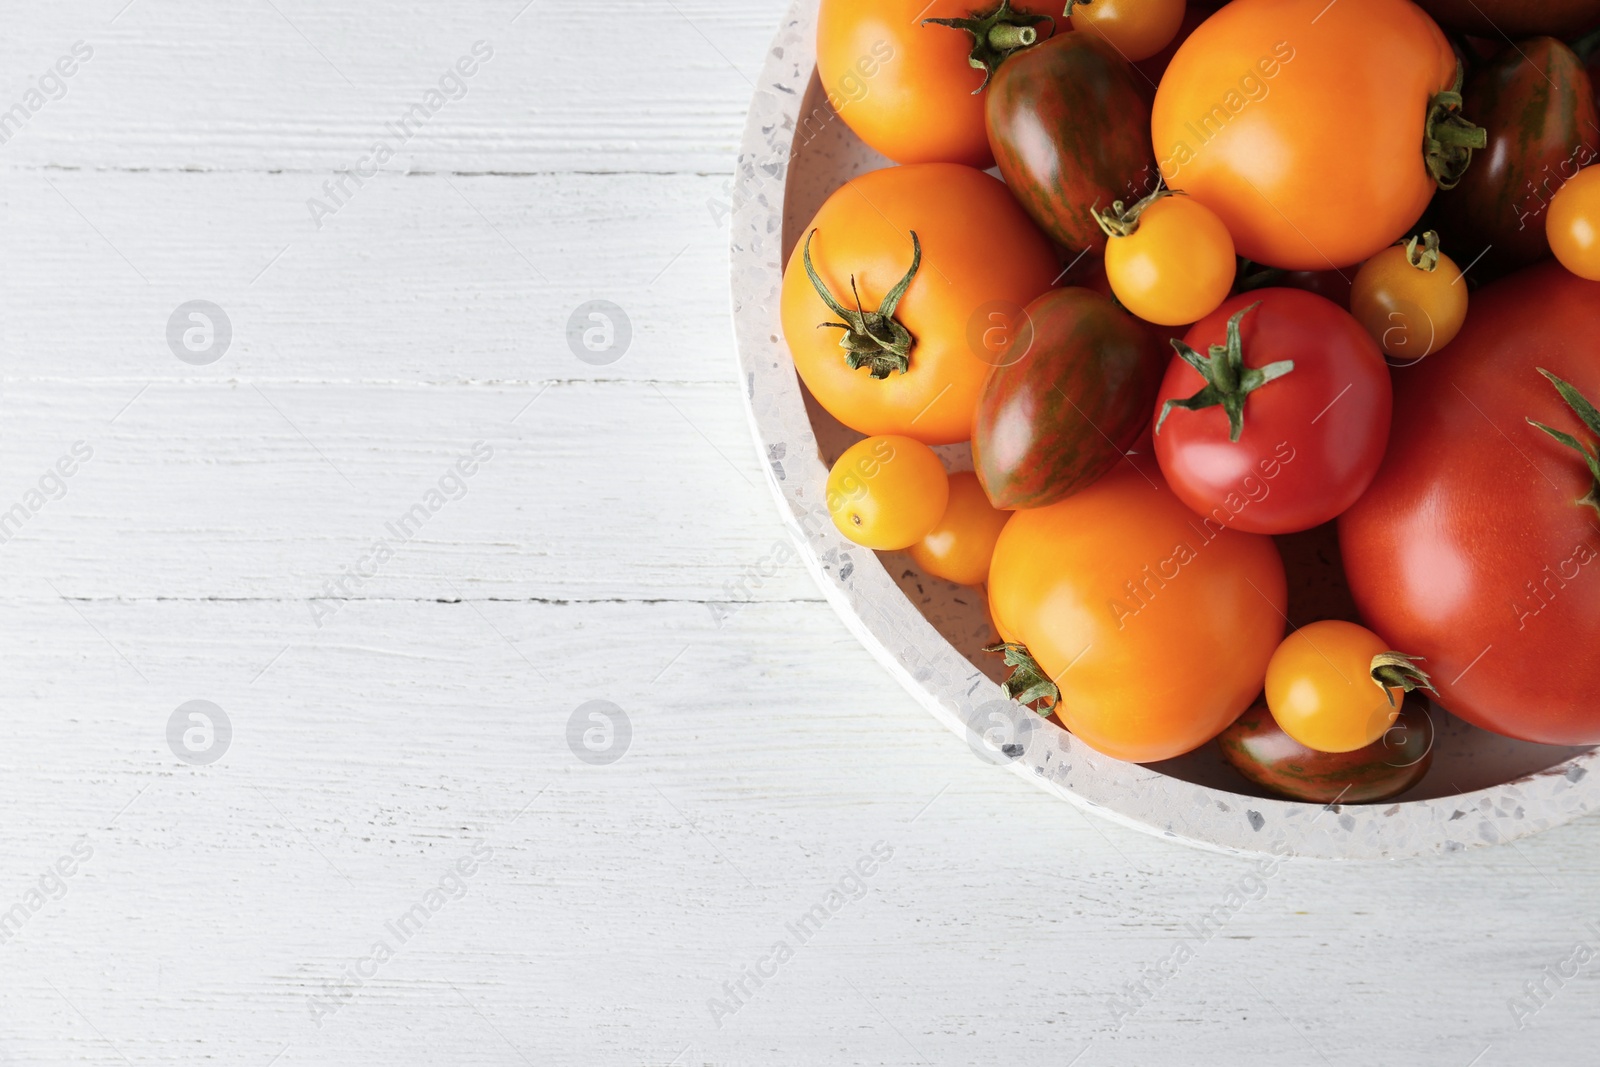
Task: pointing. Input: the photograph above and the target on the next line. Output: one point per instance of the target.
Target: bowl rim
(855, 581)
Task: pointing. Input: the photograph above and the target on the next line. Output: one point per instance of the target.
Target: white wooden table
(405, 852)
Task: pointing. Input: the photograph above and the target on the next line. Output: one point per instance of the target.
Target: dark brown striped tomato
(1070, 130)
(1072, 391)
(1258, 748)
(1498, 19)
(1538, 105)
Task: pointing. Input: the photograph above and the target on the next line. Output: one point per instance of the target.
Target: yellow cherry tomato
(1174, 264)
(1573, 224)
(1323, 688)
(1137, 28)
(1411, 299)
(887, 492)
(959, 547)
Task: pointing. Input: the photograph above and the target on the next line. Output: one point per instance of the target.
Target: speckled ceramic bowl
(1482, 788)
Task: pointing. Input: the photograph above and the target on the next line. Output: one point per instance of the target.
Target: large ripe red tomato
(1309, 439)
(1301, 123)
(1472, 548)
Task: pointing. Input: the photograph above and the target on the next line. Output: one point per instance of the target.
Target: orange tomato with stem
(1411, 299)
(907, 75)
(1320, 145)
(960, 546)
(1334, 686)
(892, 325)
(1152, 627)
(1169, 259)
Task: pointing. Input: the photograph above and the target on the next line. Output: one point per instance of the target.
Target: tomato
(1308, 143)
(1334, 686)
(1061, 157)
(1505, 20)
(1256, 746)
(1412, 301)
(1155, 629)
(1573, 224)
(887, 492)
(1170, 260)
(905, 85)
(1288, 424)
(960, 545)
(1137, 29)
(920, 372)
(1537, 104)
(1071, 394)
(1477, 546)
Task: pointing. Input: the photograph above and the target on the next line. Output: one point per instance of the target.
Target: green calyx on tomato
(872, 339)
(995, 36)
(1591, 419)
(1426, 258)
(1228, 380)
(1121, 221)
(1396, 670)
(1027, 684)
(1449, 136)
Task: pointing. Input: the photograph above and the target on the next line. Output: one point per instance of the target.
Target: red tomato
(1313, 398)
(1475, 547)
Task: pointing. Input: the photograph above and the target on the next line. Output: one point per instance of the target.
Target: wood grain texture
(618, 546)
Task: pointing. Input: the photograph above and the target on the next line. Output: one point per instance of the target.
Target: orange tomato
(1136, 28)
(1301, 124)
(1573, 224)
(980, 255)
(1155, 626)
(1176, 265)
(887, 492)
(905, 86)
(1321, 690)
(960, 547)
(1412, 299)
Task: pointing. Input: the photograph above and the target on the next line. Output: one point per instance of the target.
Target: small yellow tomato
(887, 492)
(1573, 224)
(959, 548)
(1137, 28)
(1323, 685)
(1411, 300)
(1169, 259)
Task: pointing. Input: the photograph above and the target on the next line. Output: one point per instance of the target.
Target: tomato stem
(1027, 684)
(995, 36)
(1120, 221)
(1428, 258)
(872, 339)
(1449, 137)
(1228, 381)
(1591, 420)
(1396, 670)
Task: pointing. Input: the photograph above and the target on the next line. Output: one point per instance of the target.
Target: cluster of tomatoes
(1209, 305)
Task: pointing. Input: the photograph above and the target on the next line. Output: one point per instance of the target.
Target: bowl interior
(825, 154)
